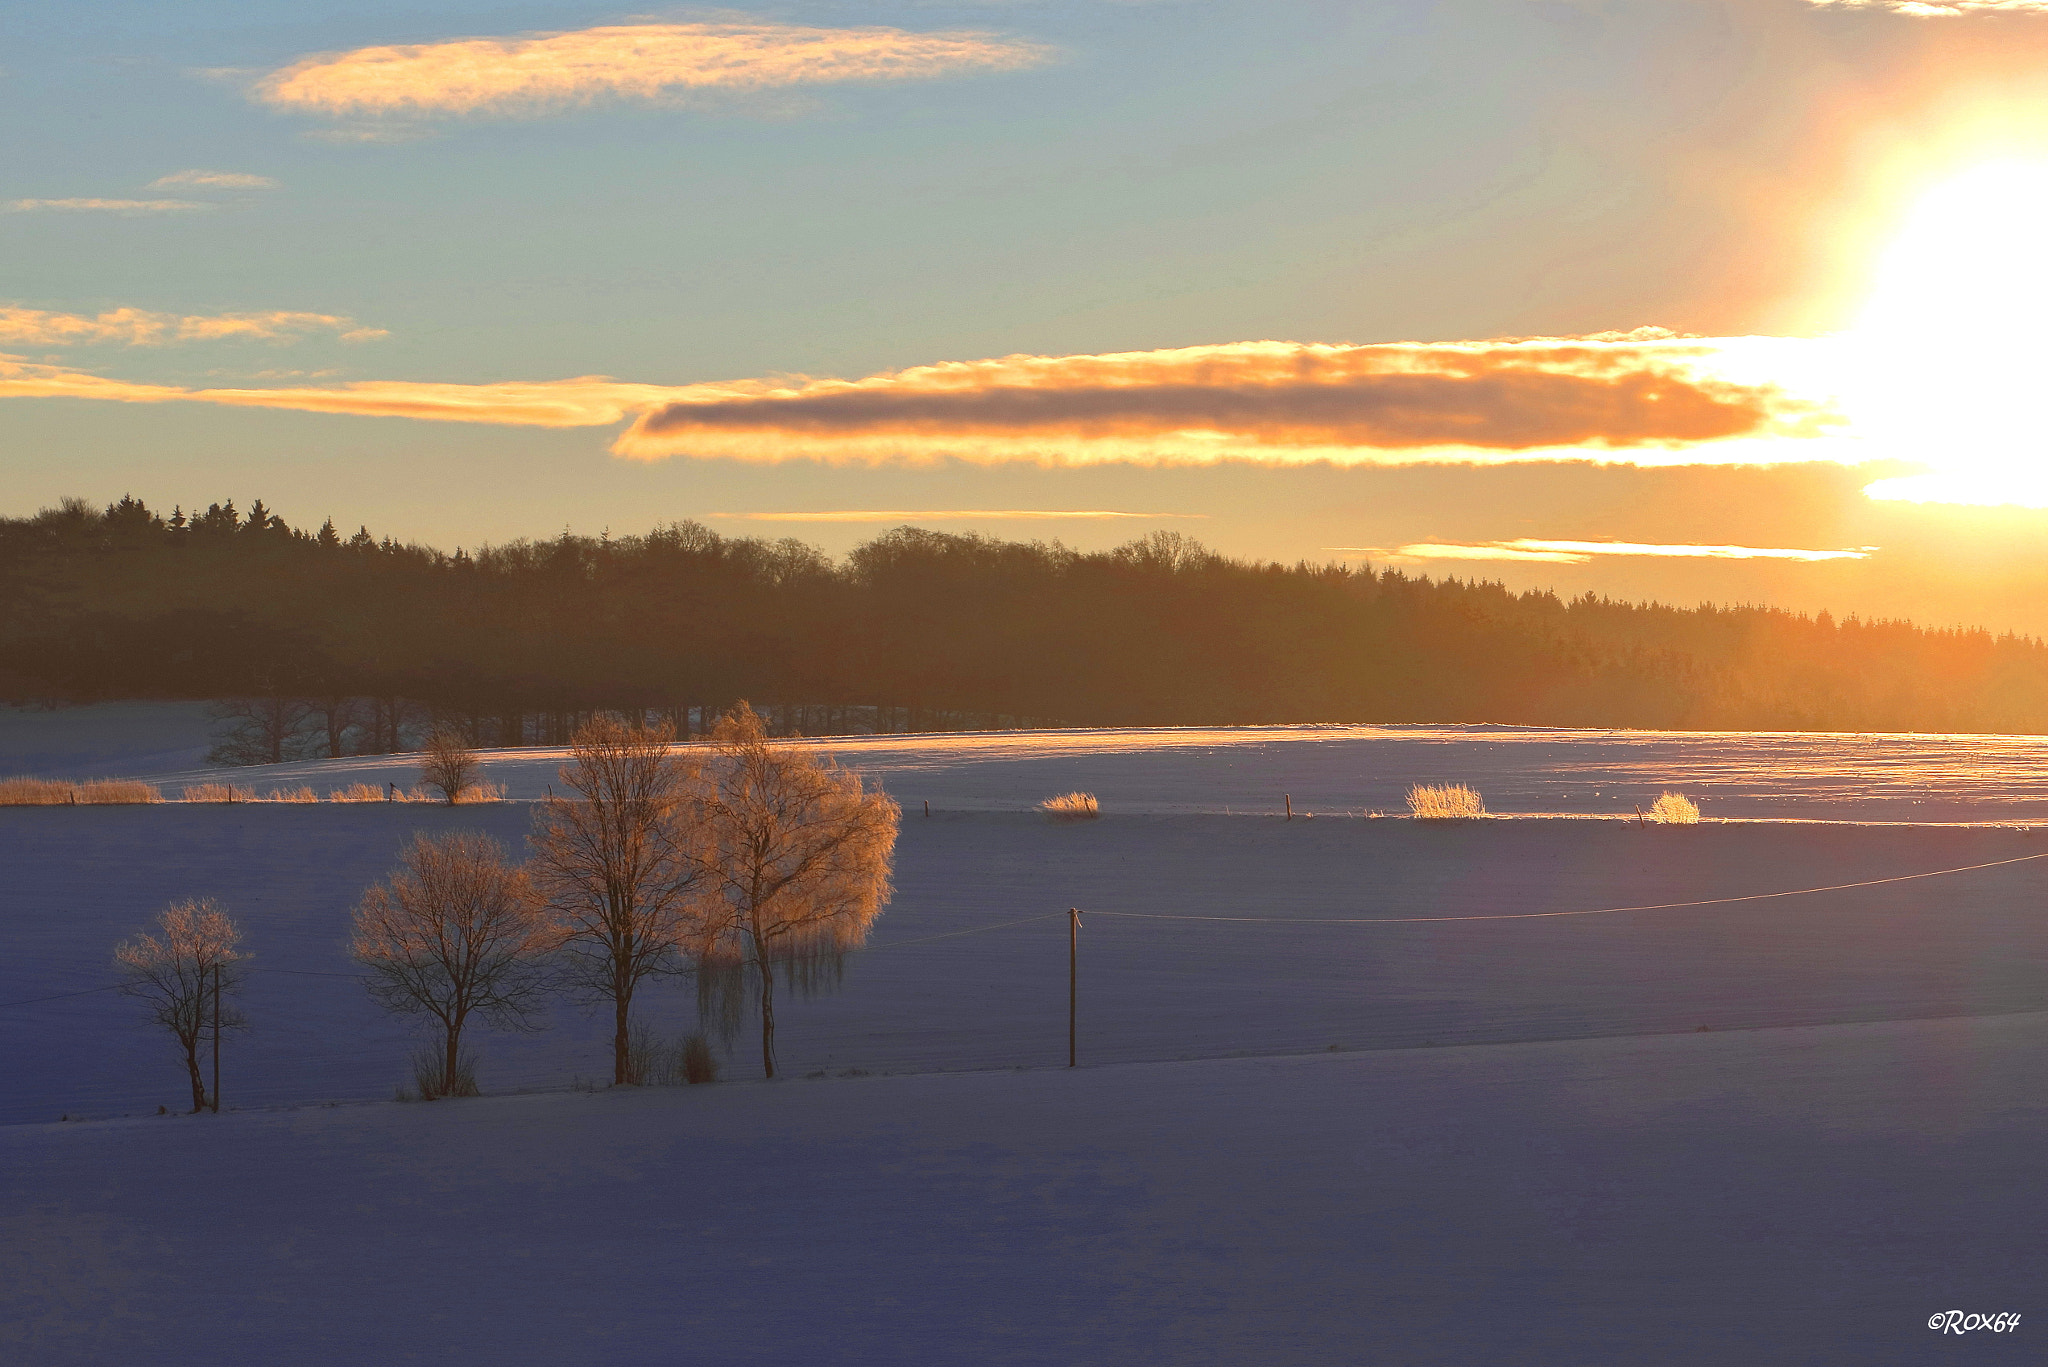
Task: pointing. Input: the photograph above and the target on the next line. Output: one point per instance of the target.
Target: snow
(1801, 1196)
(101, 740)
(1310, 1140)
(1326, 769)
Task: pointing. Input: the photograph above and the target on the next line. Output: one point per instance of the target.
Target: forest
(339, 644)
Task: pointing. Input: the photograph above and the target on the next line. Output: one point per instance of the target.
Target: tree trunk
(767, 1016)
(621, 1001)
(192, 1067)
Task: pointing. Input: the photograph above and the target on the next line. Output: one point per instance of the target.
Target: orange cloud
(1939, 9)
(592, 401)
(1274, 401)
(1583, 552)
(1661, 399)
(544, 71)
(139, 327)
(955, 515)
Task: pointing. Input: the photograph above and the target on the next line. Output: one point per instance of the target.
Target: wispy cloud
(1267, 401)
(140, 327)
(1939, 9)
(106, 206)
(1641, 397)
(1582, 552)
(592, 401)
(540, 72)
(213, 180)
(957, 515)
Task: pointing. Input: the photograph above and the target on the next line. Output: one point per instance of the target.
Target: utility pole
(1073, 977)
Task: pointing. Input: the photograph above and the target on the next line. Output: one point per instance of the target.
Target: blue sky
(1105, 178)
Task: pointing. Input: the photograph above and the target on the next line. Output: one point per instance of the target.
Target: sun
(1951, 347)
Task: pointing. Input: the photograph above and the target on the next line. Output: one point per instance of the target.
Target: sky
(1726, 300)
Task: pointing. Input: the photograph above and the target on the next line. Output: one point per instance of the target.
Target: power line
(1544, 915)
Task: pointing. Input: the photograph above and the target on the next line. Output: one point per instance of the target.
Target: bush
(430, 1079)
(699, 1066)
(653, 1061)
(1444, 802)
(1071, 807)
(1675, 809)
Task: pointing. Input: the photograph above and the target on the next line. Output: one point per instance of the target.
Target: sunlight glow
(1946, 359)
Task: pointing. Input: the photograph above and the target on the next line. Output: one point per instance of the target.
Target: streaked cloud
(956, 515)
(105, 206)
(591, 401)
(140, 327)
(541, 72)
(1642, 398)
(1270, 401)
(1583, 552)
(1946, 9)
(213, 180)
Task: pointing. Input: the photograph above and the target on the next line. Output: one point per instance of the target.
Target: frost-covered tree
(449, 764)
(186, 980)
(798, 862)
(455, 932)
(619, 865)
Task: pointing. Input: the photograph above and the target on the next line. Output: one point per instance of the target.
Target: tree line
(324, 644)
(738, 863)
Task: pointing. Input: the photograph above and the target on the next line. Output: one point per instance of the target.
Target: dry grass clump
(216, 792)
(36, 792)
(357, 792)
(1444, 802)
(118, 792)
(1675, 809)
(58, 792)
(292, 795)
(472, 792)
(1071, 807)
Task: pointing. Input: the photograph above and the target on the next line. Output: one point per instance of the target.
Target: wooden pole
(1073, 978)
(1288, 798)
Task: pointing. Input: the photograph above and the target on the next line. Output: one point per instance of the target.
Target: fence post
(1073, 978)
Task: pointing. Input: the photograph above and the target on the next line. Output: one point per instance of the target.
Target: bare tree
(454, 932)
(267, 729)
(619, 865)
(183, 978)
(798, 859)
(449, 763)
(334, 716)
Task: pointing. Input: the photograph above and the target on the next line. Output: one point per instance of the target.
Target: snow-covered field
(1329, 770)
(1310, 1140)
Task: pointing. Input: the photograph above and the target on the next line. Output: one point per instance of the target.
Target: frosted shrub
(1444, 802)
(1071, 807)
(1675, 809)
(478, 792)
(217, 792)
